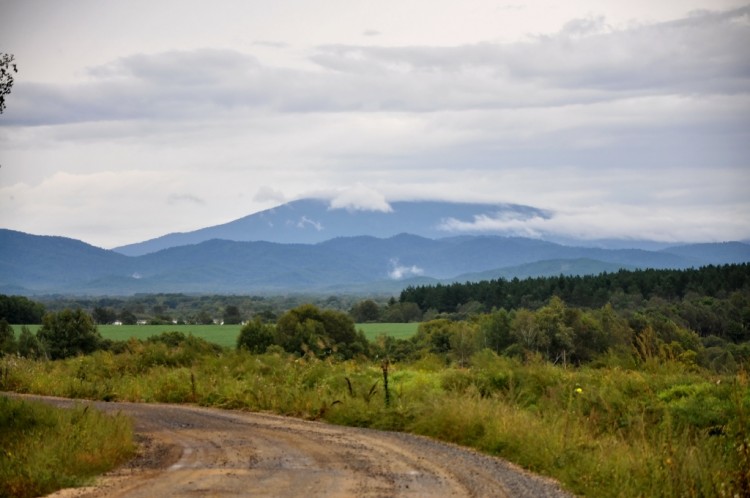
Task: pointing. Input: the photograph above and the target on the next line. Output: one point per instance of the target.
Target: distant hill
(546, 268)
(719, 253)
(309, 221)
(32, 264)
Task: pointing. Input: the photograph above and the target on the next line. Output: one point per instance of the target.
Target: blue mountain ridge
(309, 221)
(33, 264)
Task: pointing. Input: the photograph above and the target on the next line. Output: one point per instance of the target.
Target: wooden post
(384, 366)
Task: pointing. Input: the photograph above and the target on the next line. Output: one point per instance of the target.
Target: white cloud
(398, 271)
(360, 198)
(304, 222)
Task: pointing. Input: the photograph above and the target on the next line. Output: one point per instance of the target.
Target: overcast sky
(622, 118)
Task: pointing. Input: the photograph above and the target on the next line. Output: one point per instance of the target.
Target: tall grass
(43, 449)
(610, 431)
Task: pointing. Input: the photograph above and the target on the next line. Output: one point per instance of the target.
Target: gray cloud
(585, 62)
(632, 131)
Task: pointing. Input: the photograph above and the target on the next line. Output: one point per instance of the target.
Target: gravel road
(193, 451)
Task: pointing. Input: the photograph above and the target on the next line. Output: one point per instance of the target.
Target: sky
(624, 119)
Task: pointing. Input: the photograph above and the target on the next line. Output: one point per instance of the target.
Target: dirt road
(192, 451)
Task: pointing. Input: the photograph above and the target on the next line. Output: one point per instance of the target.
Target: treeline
(562, 334)
(192, 309)
(20, 310)
(304, 330)
(624, 289)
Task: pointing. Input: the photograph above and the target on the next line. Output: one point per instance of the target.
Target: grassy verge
(43, 449)
(663, 430)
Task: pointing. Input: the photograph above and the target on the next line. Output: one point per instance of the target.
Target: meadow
(226, 335)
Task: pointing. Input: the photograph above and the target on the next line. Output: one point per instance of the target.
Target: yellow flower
(579, 390)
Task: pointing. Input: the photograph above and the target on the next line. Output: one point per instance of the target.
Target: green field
(397, 330)
(226, 335)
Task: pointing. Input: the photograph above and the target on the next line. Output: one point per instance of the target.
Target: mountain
(721, 253)
(309, 221)
(32, 264)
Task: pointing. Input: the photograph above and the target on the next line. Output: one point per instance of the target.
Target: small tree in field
(256, 336)
(68, 333)
(306, 328)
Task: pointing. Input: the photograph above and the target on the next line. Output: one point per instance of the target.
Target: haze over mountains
(305, 246)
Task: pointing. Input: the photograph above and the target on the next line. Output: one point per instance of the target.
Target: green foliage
(103, 315)
(365, 311)
(29, 345)
(495, 327)
(8, 344)
(628, 288)
(43, 449)
(20, 310)
(232, 315)
(68, 333)
(307, 329)
(256, 336)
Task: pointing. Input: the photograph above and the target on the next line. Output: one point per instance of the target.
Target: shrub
(68, 333)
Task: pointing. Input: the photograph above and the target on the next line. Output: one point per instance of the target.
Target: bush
(256, 336)
(68, 333)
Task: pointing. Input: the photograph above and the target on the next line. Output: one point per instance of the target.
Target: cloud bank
(635, 130)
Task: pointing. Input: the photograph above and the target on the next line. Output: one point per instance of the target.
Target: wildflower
(579, 390)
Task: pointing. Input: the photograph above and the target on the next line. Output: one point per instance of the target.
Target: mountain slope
(713, 253)
(36, 264)
(309, 221)
(34, 261)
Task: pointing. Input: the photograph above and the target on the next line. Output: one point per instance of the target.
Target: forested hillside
(588, 291)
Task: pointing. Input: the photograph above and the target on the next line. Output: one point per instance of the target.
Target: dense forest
(622, 288)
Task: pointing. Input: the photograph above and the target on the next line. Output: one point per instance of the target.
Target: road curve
(194, 451)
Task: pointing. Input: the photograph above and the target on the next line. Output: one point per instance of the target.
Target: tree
(365, 311)
(464, 341)
(203, 318)
(128, 317)
(232, 315)
(496, 329)
(68, 333)
(7, 69)
(104, 315)
(8, 343)
(307, 328)
(28, 344)
(20, 310)
(256, 336)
